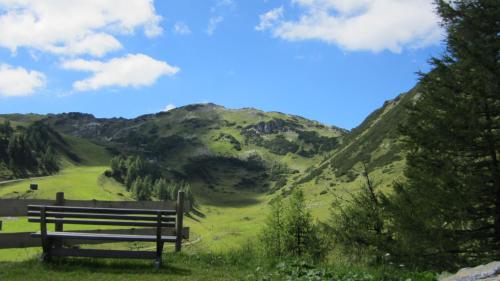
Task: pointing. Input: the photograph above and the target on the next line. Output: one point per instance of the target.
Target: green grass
(177, 267)
(82, 183)
(90, 154)
(223, 222)
(237, 265)
(77, 183)
(225, 228)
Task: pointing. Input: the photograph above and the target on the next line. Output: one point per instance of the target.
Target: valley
(235, 161)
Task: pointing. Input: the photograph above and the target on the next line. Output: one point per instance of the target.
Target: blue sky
(334, 61)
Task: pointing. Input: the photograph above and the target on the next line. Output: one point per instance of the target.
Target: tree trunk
(495, 172)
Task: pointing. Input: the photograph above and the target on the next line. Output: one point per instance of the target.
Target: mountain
(236, 150)
(225, 149)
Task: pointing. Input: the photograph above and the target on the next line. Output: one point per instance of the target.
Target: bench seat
(105, 237)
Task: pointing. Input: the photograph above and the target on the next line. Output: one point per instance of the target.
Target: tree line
(28, 151)
(144, 179)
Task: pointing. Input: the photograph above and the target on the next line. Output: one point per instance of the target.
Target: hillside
(235, 151)
(222, 149)
(29, 147)
(375, 142)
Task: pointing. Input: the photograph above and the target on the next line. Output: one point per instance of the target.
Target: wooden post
(159, 242)
(45, 239)
(59, 225)
(178, 221)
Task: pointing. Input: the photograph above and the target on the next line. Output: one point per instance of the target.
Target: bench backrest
(102, 216)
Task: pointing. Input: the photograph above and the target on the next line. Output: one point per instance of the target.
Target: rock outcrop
(488, 272)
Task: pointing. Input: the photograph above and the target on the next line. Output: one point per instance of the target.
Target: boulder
(488, 272)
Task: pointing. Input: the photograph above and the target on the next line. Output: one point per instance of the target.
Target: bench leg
(159, 251)
(47, 247)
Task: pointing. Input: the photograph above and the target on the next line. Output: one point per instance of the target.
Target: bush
(300, 270)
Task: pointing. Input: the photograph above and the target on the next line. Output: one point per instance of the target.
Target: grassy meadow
(222, 224)
(225, 219)
(77, 182)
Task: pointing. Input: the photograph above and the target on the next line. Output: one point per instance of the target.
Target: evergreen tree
(447, 213)
(118, 166)
(273, 237)
(48, 161)
(188, 194)
(290, 231)
(136, 188)
(161, 190)
(357, 223)
(142, 188)
(21, 159)
(298, 225)
(6, 130)
(37, 135)
(147, 188)
(174, 188)
(134, 166)
(5, 134)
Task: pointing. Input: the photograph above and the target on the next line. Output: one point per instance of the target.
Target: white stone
(488, 272)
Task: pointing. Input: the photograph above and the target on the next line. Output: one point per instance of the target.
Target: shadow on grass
(195, 212)
(107, 266)
(237, 202)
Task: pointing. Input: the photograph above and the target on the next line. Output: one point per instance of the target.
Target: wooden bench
(160, 220)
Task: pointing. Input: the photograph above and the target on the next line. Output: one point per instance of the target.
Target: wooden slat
(80, 209)
(24, 239)
(93, 253)
(99, 216)
(18, 207)
(106, 236)
(103, 222)
(150, 205)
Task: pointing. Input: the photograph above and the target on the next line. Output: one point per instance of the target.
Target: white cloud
(169, 107)
(356, 25)
(19, 81)
(181, 28)
(74, 27)
(223, 4)
(212, 24)
(268, 19)
(97, 44)
(129, 71)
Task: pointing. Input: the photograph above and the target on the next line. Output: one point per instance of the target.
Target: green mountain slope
(375, 142)
(33, 139)
(223, 149)
(238, 151)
